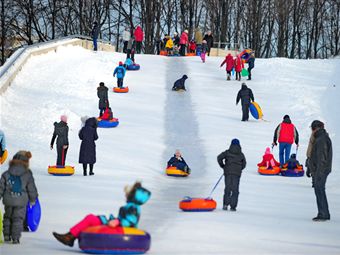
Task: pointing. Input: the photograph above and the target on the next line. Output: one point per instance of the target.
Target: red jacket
(229, 60)
(139, 35)
(192, 46)
(238, 64)
(268, 160)
(184, 38)
(286, 133)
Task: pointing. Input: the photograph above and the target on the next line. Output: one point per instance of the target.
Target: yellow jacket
(169, 44)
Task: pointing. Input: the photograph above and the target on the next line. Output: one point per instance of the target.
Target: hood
(17, 169)
(91, 122)
(235, 149)
(244, 86)
(185, 77)
(320, 132)
(138, 28)
(267, 151)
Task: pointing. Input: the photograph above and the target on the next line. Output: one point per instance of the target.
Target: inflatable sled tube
(264, 171)
(106, 240)
(4, 157)
(173, 171)
(255, 110)
(189, 204)
(107, 123)
(121, 90)
(163, 53)
(191, 54)
(33, 215)
(245, 54)
(61, 170)
(298, 172)
(134, 67)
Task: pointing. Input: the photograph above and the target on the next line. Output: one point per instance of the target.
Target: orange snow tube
(163, 53)
(264, 171)
(191, 54)
(121, 90)
(189, 204)
(3, 157)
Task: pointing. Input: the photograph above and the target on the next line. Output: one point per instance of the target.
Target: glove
(113, 223)
(308, 173)
(274, 143)
(51, 146)
(32, 204)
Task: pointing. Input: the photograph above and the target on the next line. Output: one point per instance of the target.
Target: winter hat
(186, 31)
(120, 63)
(175, 33)
(267, 151)
(63, 118)
(204, 41)
(293, 156)
(21, 157)
(317, 124)
(286, 117)
(235, 141)
(185, 76)
(101, 83)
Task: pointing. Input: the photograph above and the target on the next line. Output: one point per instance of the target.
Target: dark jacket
(103, 97)
(176, 40)
(251, 62)
(61, 132)
(210, 40)
(180, 83)
(87, 135)
(321, 157)
(232, 161)
(28, 190)
(95, 31)
(175, 161)
(245, 94)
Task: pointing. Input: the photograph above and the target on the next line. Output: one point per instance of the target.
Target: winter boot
(67, 239)
(85, 173)
(7, 238)
(233, 209)
(91, 173)
(228, 77)
(225, 208)
(15, 241)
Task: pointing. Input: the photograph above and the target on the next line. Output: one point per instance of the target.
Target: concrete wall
(15, 63)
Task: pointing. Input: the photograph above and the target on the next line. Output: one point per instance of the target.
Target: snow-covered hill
(274, 213)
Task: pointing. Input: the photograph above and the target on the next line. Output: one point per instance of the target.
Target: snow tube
(245, 54)
(106, 240)
(33, 215)
(298, 172)
(3, 157)
(121, 90)
(244, 72)
(189, 204)
(264, 171)
(255, 110)
(107, 123)
(191, 54)
(134, 67)
(173, 171)
(61, 170)
(163, 53)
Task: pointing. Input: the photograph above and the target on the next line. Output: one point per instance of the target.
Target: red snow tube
(189, 204)
(264, 171)
(121, 90)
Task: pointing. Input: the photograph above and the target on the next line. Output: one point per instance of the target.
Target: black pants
(245, 112)
(320, 193)
(85, 168)
(61, 155)
(238, 76)
(182, 50)
(231, 190)
(125, 46)
(139, 47)
(120, 82)
(249, 71)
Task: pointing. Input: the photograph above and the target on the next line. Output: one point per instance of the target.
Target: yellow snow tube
(4, 157)
(61, 171)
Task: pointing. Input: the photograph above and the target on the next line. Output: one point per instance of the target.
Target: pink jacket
(139, 35)
(184, 38)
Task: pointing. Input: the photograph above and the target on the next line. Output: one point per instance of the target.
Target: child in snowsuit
(128, 215)
(229, 61)
(204, 49)
(292, 163)
(103, 98)
(238, 67)
(178, 161)
(268, 160)
(233, 162)
(192, 46)
(108, 115)
(120, 71)
(17, 188)
(180, 83)
(61, 133)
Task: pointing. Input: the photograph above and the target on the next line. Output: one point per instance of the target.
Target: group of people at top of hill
(237, 63)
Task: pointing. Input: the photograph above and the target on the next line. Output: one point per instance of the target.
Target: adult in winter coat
(251, 64)
(130, 50)
(198, 37)
(176, 39)
(120, 71)
(87, 135)
(103, 98)
(61, 133)
(180, 83)
(210, 41)
(95, 33)
(245, 94)
(233, 162)
(320, 166)
(2, 143)
(178, 161)
(239, 65)
(229, 61)
(308, 155)
(139, 36)
(17, 188)
(126, 38)
(286, 134)
(128, 215)
(183, 42)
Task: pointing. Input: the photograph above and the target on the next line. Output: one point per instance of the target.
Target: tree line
(273, 28)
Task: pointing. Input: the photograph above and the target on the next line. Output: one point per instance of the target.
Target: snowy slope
(274, 213)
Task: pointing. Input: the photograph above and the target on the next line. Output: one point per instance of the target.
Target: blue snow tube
(255, 110)
(134, 67)
(108, 123)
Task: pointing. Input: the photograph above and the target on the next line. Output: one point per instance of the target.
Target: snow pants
(13, 221)
(89, 221)
(231, 190)
(245, 112)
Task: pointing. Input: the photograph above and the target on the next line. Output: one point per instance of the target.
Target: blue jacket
(2, 141)
(129, 214)
(120, 71)
(128, 62)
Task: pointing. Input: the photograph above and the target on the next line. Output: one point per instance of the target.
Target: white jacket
(126, 35)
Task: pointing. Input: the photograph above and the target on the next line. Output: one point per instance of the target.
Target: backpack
(15, 185)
